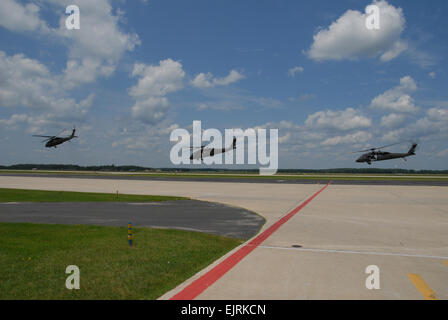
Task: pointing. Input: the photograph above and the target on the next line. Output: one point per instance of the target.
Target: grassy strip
(34, 258)
(20, 195)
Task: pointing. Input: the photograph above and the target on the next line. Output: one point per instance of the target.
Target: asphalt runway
(433, 182)
(190, 215)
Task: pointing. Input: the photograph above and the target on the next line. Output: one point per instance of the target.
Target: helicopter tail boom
(411, 151)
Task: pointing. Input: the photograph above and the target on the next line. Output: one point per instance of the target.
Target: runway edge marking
(202, 283)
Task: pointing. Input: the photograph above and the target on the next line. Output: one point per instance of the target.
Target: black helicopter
(376, 154)
(210, 152)
(54, 141)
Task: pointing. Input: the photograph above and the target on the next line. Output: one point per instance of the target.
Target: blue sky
(136, 70)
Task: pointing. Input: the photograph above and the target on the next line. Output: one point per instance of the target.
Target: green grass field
(20, 195)
(34, 258)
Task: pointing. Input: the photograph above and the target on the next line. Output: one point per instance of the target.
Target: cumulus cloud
(353, 129)
(438, 114)
(93, 51)
(144, 138)
(154, 83)
(26, 82)
(285, 138)
(17, 17)
(348, 37)
(14, 120)
(96, 48)
(206, 80)
(292, 72)
(432, 124)
(392, 120)
(397, 99)
(352, 138)
(347, 119)
(396, 49)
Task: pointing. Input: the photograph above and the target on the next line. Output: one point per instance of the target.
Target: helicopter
(376, 154)
(210, 152)
(54, 141)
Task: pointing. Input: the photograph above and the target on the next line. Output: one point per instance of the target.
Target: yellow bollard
(130, 234)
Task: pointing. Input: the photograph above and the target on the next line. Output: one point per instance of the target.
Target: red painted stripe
(199, 285)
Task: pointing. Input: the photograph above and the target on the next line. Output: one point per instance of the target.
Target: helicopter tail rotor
(413, 148)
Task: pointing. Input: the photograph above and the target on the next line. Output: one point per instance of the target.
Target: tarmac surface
(317, 243)
(190, 215)
(381, 180)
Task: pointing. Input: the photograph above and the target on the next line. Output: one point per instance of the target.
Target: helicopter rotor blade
(45, 140)
(378, 148)
(390, 145)
(366, 150)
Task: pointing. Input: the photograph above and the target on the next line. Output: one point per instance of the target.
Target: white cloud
(154, 83)
(292, 72)
(434, 124)
(392, 120)
(203, 80)
(17, 17)
(151, 138)
(285, 138)
(206, 80)
(398, 98)
(14, 120)
(25, 82)
(348, 37)
(93, 51)
(396, 49)
(348, 119)
(432, 75)
(438, 114)
(357, 137)
(394, 135)
(96, 48)
(233, 76)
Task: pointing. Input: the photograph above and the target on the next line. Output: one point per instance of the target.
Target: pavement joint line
(199, 285)
(422, 286)
(357, 252)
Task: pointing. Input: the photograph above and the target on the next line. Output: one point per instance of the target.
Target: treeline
(72, 167)
(129, 168)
